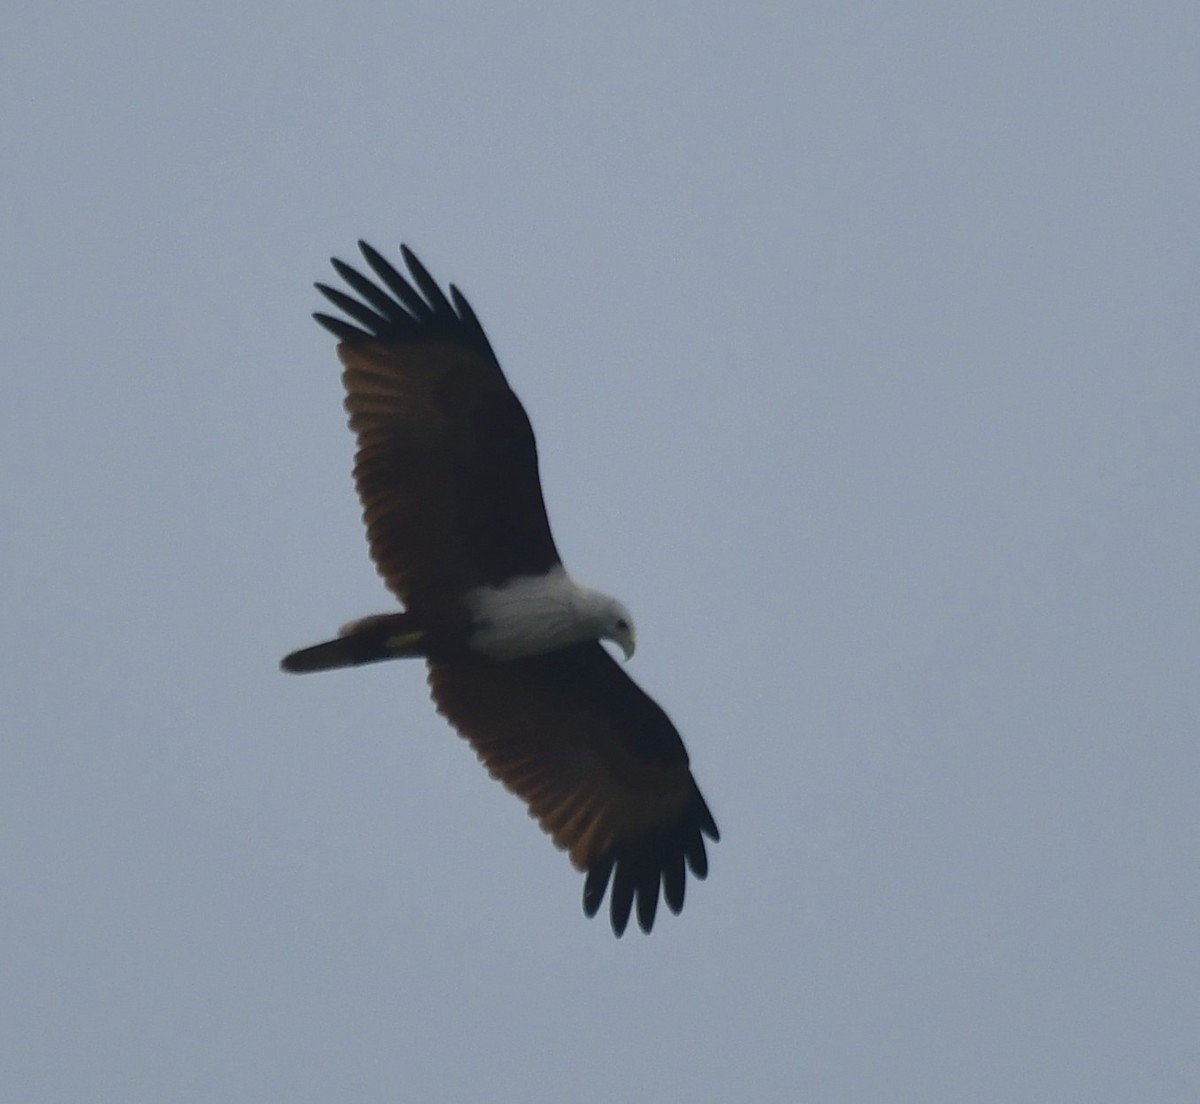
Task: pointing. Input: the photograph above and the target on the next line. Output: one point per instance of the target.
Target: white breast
(531, 615)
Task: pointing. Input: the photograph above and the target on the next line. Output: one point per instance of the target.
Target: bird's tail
(382, 636)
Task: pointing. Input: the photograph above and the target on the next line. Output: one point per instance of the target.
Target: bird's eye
(622, 624)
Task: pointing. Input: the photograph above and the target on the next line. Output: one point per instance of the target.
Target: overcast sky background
(861, 343)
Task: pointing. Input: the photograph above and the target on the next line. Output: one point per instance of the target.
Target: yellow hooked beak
(626, 640)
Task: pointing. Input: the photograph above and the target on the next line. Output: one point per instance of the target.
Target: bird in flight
(447, 473)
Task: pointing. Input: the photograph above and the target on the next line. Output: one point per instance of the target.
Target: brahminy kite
(447, 472)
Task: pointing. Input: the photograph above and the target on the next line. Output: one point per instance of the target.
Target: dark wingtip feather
(656, 865)
(707, 825)
(674, 883)
(345, 271)
(647, 895)
(408, 299)
(395, 308)
(373, 294)
(467, 313)
(340, 329)
(621, 901)
(373, 321)
(595, 885)
(411, 259)
(426, 284)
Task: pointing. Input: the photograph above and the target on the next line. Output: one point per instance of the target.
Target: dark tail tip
(320, 657)
(370, 640)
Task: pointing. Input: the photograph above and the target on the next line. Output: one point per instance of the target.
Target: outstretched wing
(446, 466)
(598, 763)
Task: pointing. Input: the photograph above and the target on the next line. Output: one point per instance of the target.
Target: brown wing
(446, 466)
(598, 763)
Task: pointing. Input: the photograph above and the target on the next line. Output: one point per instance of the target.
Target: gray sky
(861, 342)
